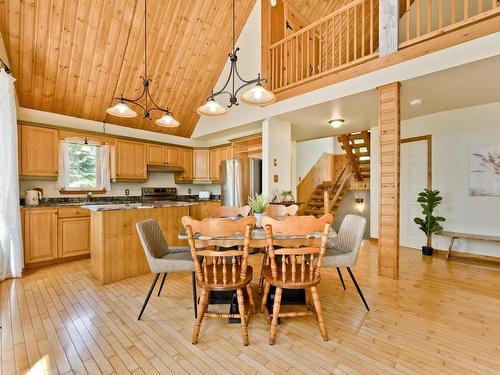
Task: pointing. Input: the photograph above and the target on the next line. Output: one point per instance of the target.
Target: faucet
(89, 196)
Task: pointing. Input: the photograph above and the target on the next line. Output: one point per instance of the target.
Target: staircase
(328, 195)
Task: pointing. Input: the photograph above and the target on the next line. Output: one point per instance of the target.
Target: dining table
(258, 241)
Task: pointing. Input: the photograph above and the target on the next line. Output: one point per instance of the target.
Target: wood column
(388, 27)
(389, 128)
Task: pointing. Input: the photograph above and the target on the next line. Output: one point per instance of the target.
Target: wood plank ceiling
(74, 56)
(313, 10)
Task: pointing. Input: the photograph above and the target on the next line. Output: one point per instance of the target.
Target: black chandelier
(123, 110)
(258, 95)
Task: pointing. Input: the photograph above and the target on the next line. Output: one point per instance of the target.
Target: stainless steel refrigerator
(240, 178)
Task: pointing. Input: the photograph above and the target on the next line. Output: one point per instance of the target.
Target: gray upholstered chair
(163, 259)
(343, 250)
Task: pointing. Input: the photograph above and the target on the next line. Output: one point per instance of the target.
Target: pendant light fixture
(121, 109)
(258, 95)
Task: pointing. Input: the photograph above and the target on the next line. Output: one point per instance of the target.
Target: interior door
(413, 179)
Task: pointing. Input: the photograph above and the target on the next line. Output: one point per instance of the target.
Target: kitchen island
(116, 252)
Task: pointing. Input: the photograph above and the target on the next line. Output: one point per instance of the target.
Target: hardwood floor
(438, 318)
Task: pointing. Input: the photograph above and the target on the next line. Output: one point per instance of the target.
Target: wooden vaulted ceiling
(74, 56)
(313, 10)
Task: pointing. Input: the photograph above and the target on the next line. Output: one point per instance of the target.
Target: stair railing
(327, 205)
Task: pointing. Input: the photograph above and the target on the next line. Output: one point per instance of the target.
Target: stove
(152, 194)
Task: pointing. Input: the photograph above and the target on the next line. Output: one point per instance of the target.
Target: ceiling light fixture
(258, 95)
(336, 123)
(121, 109)
(416, 102)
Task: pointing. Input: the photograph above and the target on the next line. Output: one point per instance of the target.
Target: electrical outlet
(189, 190)
(127, 192)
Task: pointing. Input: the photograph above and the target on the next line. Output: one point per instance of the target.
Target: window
(84, 166)
(83, 170)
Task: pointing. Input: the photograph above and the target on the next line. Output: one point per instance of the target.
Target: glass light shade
(167, 121)
(258, 95)
(121, 110)
(212, 108)
(337, 123)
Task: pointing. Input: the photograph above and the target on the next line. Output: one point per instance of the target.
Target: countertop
(136, 206)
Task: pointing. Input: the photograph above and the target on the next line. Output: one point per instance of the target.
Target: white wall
(276, 144)
(452, 134)
(309, 152)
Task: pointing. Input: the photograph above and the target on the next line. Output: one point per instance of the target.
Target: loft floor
(438, 318)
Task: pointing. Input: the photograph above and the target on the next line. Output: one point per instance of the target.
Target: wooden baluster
(320, 48)
(285, 63)
(311, 267)
(313, 51)
(419, 15)
(348, 34)
(340, 38)
(494, 4)
(466, 9)
(408, 19)
(480, 6)
(233, 270)
(214, 269)
(441, 14)
(302, 54)
(283, 268)
(272, 78)
(429, 16)
(453, 11)
(224, 271)
(303, 269)
(355, 32)
(334, 35)
(308, 54)
(372, 31)
(294, 267)
(296, 59)
(363, 28)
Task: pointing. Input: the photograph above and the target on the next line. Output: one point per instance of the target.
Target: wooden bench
(468, 236)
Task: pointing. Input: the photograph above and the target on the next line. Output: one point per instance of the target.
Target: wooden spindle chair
(219, 270)
(294, 268)
(228, 211)
(279, 212)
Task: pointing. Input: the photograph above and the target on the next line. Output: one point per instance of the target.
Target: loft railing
(425, 19)
(346, 37)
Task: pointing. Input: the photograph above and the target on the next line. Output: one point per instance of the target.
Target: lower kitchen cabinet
(52, 234)
(40, 235)
(73, 236)
(200, 211)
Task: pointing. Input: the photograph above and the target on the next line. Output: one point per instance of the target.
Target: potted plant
(258, 203)
(287, 196)
(429, 200)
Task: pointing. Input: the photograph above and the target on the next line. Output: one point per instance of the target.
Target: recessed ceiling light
(416, 102)
(336, 123)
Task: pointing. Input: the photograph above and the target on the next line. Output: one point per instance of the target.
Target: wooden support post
(388, 29)
(390, 127)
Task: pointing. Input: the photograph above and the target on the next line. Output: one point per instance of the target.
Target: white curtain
(63, 162)
(105, 172)
(11, 247)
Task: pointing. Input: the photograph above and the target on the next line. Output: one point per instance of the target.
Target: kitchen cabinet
(39, 151)
(217, 156)
(130, 159)
(173, 155)
(201, 164)
(155, 154)
(73, 232)
(40, 235)
(164, 155)
(186, 162)
(200, 210)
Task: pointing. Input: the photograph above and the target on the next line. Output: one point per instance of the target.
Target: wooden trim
(474, 31)
(64, 191)
(373, 240)
(427, 138)
(54, 261)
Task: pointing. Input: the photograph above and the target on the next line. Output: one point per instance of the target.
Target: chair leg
(357, 288)
(162, 282)
(276, 311)
(319, 314)
(267, 286)
(261, 277)
(241, 310)
(195, 302)
(341, 278)
(199, 318)
(149, 295)
(250, 298)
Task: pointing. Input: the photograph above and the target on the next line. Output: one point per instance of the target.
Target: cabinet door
(187, 164)
(201, 164)
(40, 235)
(225, 153)
(173, 156)
(155, 154)
(130, 160)
(39, 151)
(215, 164)
(73, 236)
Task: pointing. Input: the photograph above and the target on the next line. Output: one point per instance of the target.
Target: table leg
(450, 247)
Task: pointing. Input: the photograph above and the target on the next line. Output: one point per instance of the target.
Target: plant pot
(427, 250)
(258, 218)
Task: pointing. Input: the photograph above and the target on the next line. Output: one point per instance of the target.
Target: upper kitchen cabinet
(217, 156)
(130, 159)
(186, 162)
(164, 155)
(201, 164)
(39, 151)
(155, 155)
(173, 155)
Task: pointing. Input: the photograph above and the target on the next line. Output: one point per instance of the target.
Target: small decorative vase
(258, 218)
